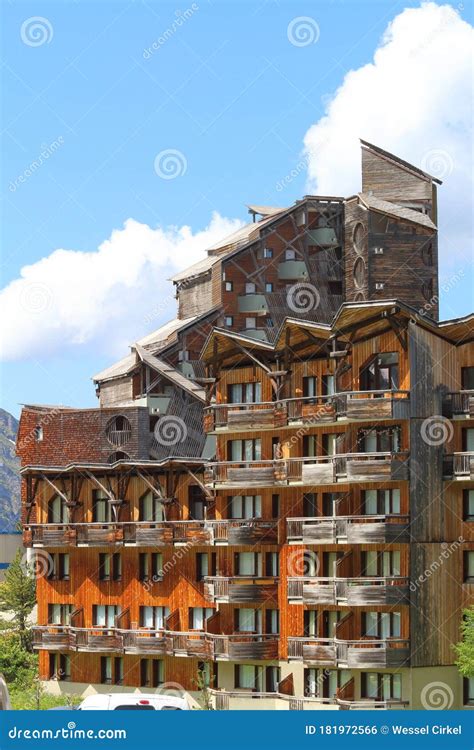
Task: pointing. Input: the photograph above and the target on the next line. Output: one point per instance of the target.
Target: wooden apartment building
(277, 488)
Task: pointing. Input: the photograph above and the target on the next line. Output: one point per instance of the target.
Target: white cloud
(108, 297)
(415, 100)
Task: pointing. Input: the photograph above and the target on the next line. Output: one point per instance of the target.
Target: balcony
(459, 466)
(242, 647)
(350, 654)
(151, 534)
(459, 405)
(98, 639)
(54, 638)
(292, 270)
(347, 406)
(225, 700)
(240, 589)
(322, 236)
(152, 642)
(362, 591)
(344, 468)
(380, 529)
(253, 303)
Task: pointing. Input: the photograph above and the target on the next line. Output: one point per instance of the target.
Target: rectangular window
(246, 506)
(250, 323)
(381, 502)
(101, 508)
(310, 623)
(381, 686)
(153, 618)
(250, 287)
(381, 624)
(150, 508)
(380, 564)
(248, 564)
(468, 505)
(272, 679)
(330, 444)
(272, 621)
(290, 254)
(267, 252)
(245, 450)
(467, 378)
(229, 286)
(310, 386)
(151, 672)
(106, 670)
(59, 567)
(248, 620)
(244, 393)
(272, 561)
(469, 566)
(268, 286)
(59, 667)
(198, 617)
(228, 321)
(196, 503)
(248, 677)
(103, 615)
(328, 384)
(110, 566)
(202, 565)
(468, 690)
(150, 566)
(59, 614)
(468, 439)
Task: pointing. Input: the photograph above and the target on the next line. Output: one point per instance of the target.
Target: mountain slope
(9, 476)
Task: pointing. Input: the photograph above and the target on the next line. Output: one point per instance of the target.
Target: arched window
(118, 431)
(118, 456)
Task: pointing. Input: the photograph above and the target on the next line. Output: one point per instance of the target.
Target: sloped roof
(202, 266)
(393, 209)
(264, 210)
(161, 336)
(171, 373)
(400, 162)
(120, 368)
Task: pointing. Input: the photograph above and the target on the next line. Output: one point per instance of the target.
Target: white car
(133, 702)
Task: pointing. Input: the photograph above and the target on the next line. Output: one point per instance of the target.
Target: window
(381, 373)
(197, 503)
(150, 566)
(183, 355)
(310, 386)
(329, 623)
(248, 677)
(246, 506)
(310, 446)
(59, 667)
(152, 672)
(324, 683)
(468, 505)
(111, 670)
(330, 444)
(198, 617)
(272, 621)
(245, 450)
(380, 502)
(330, 503)
(57, 510)
(206, 671)
(228, 321)
(328, 383)
(248, 620)
(250, 287)
(110, 566)
(59, 567)
(150, 508)
(59, 614)
(469, 567)
(468, 691)
(290, 254)
(268, 286)
(376, 564)
(244, 393)
(202, 565)
(381, 624)
(380, 686)
(103, 615)
(310, 623)
(229, 286)
(153, 617)
(250, 323)
(275, 506)
(267, 252)
(38, 433)
(272, 564)
(379, 440)
(468, 439)
(101, 509)
(467, 378)
(248, 564)
(310, 505)
(329, 564)
(272, 679)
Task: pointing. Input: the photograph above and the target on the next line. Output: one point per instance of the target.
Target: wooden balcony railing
(347, 467)
(351, 654)
(230, 699)
(240, 589)
(459, 404)
(346, 405)
(459, 465)
(154, 534)
(198, 644)
(376, 529)
(363, 591)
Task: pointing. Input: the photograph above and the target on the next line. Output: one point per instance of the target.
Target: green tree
(16, 664)
(465, 649)
(18, 595)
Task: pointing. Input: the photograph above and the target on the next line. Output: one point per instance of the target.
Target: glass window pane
(370, 502)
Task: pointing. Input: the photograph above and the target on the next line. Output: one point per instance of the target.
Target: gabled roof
(119, 369)
(171, 374)
(197, 269)
(160, 338)
(398, 212)
(400, 162)
(264, 210)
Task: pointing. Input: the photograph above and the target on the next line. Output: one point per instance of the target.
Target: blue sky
(227, 89)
